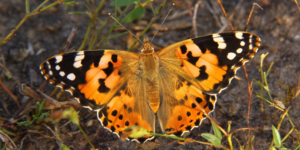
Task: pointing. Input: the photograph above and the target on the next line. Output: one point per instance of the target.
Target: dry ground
(278, 25)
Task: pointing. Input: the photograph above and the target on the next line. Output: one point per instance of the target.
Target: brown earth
(277, 25)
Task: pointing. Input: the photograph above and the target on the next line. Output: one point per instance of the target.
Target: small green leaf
(138, 13)
(248, 146)
(262, 57)
(273, 148)
(40, 108)
(270, 68)
(76, 13)
(297, 147)
(25, 123)
(64, 147)
(284, 148)
(72, 115)
(276, 137)
(70, 3)
(6, 132)
(258, 82)
(121, 3)
(217, 131)
(212, 138)
(42, 116)
(136, 131)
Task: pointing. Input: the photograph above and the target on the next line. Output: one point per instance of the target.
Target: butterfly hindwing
(179, 111)
(128, 108)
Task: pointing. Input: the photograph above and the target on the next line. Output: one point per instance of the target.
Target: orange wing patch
(186, 115)
(121, 112)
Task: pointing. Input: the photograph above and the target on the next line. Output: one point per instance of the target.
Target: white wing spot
(77, 64)
(71, 76)
(239, 50)
(50, 73)
(221, 45)
(59, 86)
(68, 90)
(217, 38)
(48, 64)
(239, 35)
(61, 73)
(58, 59)
(250, 46)
(220, 40)
(231, 55)
(242, 43)
(78, 59)
(57, 67)
(79, 56)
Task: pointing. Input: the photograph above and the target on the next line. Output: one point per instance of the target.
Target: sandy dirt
(278, 25)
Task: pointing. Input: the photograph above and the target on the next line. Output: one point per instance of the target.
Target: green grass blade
(212, 138)
(217, 131)
(276, 137)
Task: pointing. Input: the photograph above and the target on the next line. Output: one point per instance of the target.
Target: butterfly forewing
(211, 61)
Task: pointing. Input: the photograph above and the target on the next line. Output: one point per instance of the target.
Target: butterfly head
(147, 47)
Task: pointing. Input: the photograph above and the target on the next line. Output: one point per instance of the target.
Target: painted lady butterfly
(127, 89)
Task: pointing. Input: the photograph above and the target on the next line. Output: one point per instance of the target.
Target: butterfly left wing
(91, 76)
(194, 71)
(106, 81)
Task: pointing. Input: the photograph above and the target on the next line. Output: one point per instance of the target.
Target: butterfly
(164, 87)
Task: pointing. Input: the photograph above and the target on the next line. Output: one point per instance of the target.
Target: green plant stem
(290, 132)
(27, 6)
(169, 136)
(92, 37)
(97, 35)
(83, 44)
(28, 15)
(206, 143)
(100, 6)
(86, 137)
(229, 139)
(160, 7)
(39, 7)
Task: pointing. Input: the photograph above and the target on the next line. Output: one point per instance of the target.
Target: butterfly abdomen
(149, 63)
(153, 95)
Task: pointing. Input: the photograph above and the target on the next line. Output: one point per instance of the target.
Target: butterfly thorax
(149, 67)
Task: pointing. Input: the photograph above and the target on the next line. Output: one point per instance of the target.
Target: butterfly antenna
(125, 28)
(225, 14)
(162, 22)
(250, 14)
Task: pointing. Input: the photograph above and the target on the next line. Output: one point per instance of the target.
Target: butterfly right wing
(211, 61)
(194, 71)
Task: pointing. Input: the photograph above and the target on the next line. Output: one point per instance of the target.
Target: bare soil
(278, 25)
